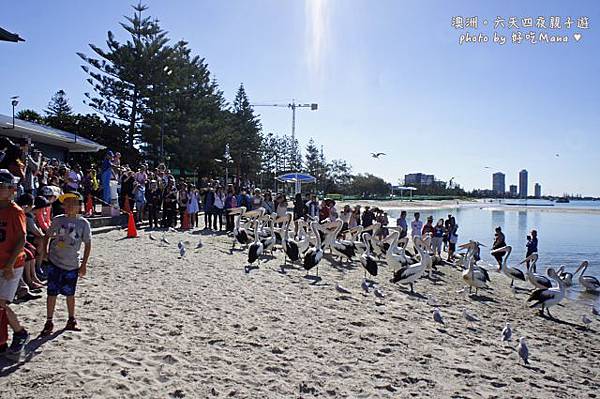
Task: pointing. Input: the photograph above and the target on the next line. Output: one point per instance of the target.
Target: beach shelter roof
(9, 37)
(47, 135)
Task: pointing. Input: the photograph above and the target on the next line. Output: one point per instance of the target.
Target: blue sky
(388, 76)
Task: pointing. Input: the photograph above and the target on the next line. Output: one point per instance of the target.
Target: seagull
(376, 155)
(469, 317)
(342, 290)
(586, 320)
(365, 286)
(181, 248)
(379, 293)
(523, 350)
(432, 301)
(152, 237)
(437, 316)
(506, 333)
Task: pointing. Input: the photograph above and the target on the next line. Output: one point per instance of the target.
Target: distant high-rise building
(498, 183)
(538, 190)
(523, 184)
(418, 179)
(513, 190)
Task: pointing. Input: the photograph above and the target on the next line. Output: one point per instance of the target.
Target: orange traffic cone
(131, 229)
(89, 206)
(186, 221)
(126, 207)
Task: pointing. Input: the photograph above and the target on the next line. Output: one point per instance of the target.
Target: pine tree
(59, 113)
(121, 75)
(58, 106)
(246, 151)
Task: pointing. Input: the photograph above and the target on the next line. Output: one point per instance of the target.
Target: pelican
(566, 277)
(395, 260)
(239, 233)
(366, 259)
(269, 242)
(546, 298)
(342, 248)
(590, 283)
(511, 272)
(410, 274)
(475, 276)
(314, 255)
(303, 238)
(256, 248)
(290, 246)
(537, 280)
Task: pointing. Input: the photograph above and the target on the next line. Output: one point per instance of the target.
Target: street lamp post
(227, 158)
(14, 102)
(168, 72)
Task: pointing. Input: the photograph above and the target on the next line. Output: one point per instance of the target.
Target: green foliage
(368, 184)
(122, 75)
(31, 116)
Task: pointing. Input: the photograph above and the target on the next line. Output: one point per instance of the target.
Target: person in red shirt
(12, 259)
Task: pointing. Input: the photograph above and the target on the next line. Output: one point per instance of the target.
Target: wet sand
(156, 326)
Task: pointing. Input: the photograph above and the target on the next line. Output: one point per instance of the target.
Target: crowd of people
(41, 234)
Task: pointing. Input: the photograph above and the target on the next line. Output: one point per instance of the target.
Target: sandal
(48, 328)
(72, 325)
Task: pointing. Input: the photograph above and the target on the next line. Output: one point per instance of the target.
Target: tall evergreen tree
(121, 75)
(246, 150)
(59, 106)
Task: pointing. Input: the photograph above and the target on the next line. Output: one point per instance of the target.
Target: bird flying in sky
(376, 155)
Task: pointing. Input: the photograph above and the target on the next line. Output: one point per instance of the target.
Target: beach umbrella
(297, 179)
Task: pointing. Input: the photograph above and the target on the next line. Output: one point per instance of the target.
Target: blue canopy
(296, 177)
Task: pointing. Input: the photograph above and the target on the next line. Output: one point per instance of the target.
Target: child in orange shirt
(12, 259)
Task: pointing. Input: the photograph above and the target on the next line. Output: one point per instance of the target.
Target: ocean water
(565, 238)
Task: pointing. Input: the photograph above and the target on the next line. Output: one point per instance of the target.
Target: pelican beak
(529, 258)
(481, 245)
(465, 245)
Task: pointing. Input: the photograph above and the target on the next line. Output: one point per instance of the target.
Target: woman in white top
(282, 206)
(193, 206)
(218, 207)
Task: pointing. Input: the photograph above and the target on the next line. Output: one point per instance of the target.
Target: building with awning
(6, 36)
(53, 143)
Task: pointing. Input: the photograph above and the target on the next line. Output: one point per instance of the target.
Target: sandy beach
(156, 326)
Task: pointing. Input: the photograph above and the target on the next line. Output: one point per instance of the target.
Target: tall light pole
(14, 102)
(168, 72)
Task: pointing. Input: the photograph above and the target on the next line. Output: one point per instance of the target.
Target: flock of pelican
(305, 242)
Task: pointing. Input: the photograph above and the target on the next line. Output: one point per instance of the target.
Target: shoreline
(462, 204)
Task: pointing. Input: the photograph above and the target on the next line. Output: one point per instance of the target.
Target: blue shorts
(61, 281)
